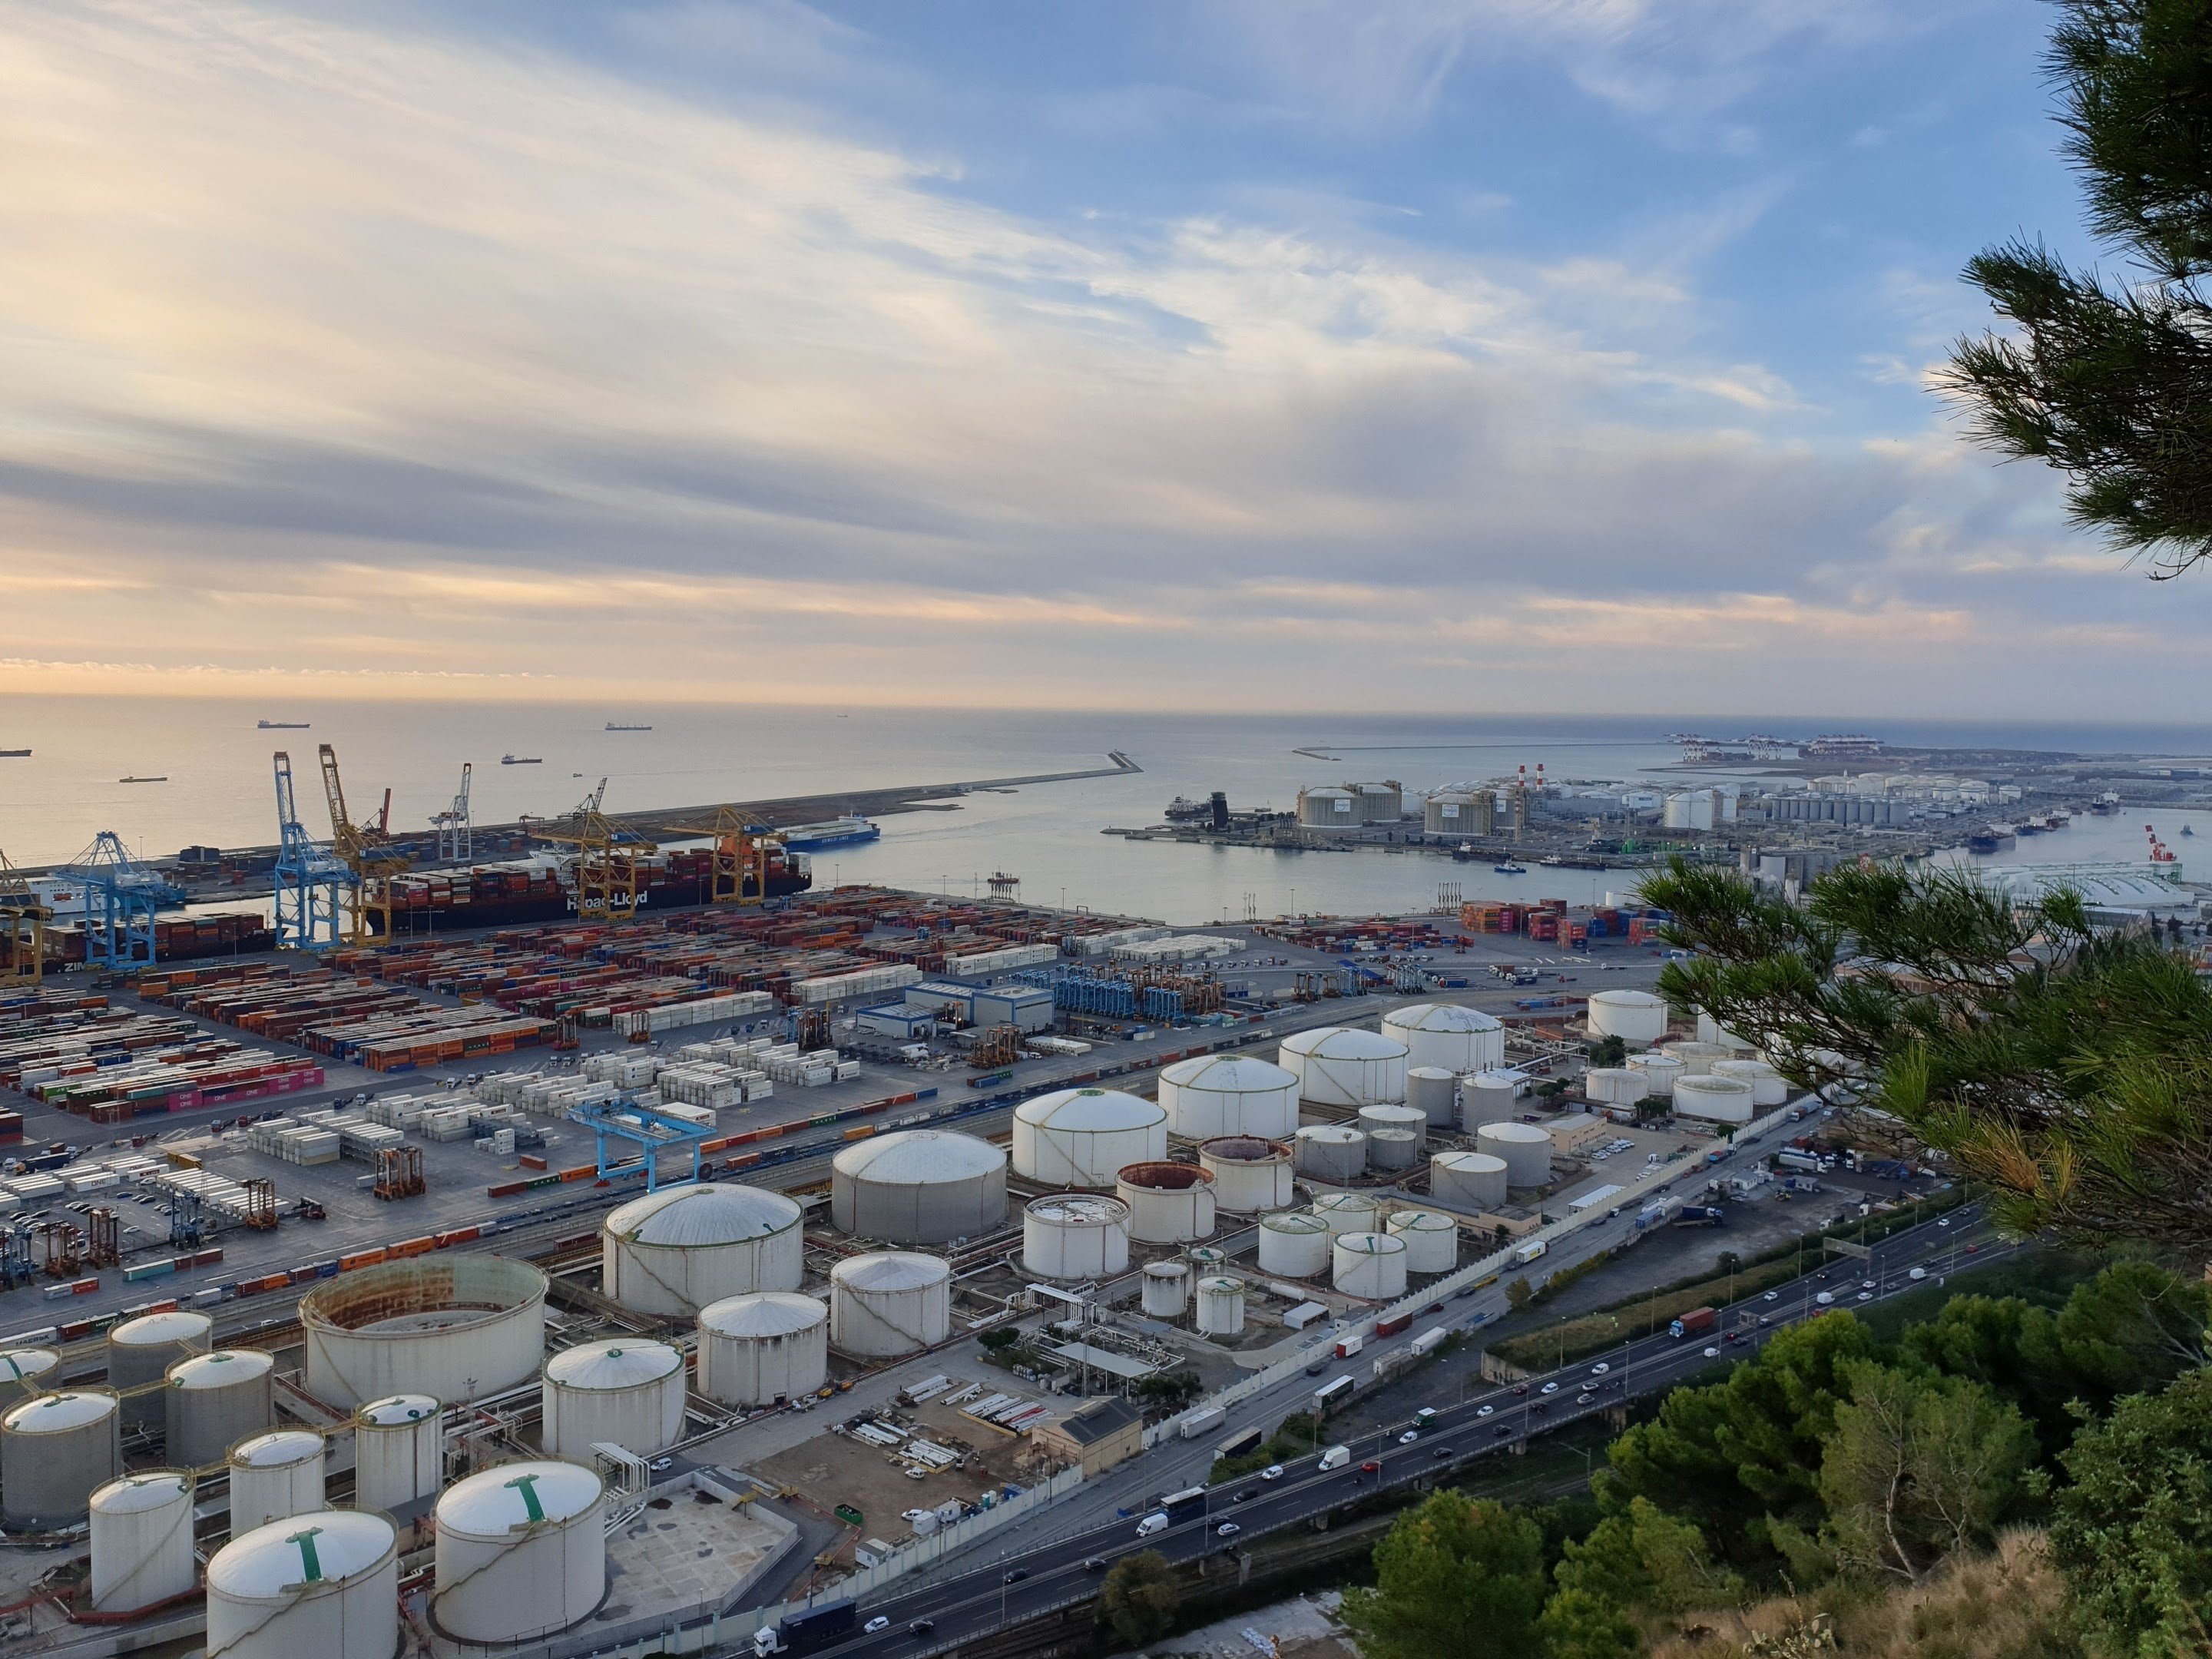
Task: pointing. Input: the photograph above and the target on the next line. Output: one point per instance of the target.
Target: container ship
(542, 889)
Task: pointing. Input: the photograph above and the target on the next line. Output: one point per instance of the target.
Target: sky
(1507, 355)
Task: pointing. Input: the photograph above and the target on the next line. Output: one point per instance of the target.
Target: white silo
(1434, 1093)
(1392, 1150)
(1167, 1285)
(22, 1370)
(1716, 1099)
(918, 1187)
(1697, 1058)
(1768, 1087)
(215, 1401)
(1085, 1137)
(1348, 1213)
(1471, 1181)
(1336, 1065)
(764, 1349)
(1525, 1148)
(1250, 1174)
(142, 1542)
(1636, 1016)
(321, 1584)
(521, 1552)
(1294, 1243)
(1075, 1236)
(1432, 1240)
(1712, 1030)
(1220, 1305)
(399, 1451)
(456, 1326)
(1371, 1265)
(1615, 1085)
(1488, 1097)
(889, 1303)
(1216, 1095)
(54, 1450)
(1167, 1203)
(1659, 1071)
(1330, 1151)
(140, 1352)
(1411, 1118)
(1204, 1259)
(1447, 1036)
(624, 1391)
(273, 1475)
(672, 1252)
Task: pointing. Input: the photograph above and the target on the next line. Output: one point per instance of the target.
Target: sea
(217, 788)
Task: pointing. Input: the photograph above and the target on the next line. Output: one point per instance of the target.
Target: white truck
(1156, 1522)
(1530, 1251)
(1335, 1457)
(1205, 1418)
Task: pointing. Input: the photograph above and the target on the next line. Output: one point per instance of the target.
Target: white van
(1156, 1522)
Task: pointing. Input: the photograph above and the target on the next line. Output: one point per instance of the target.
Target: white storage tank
(1471, 1181)
(1411, 1120)
(1446, 1037)
(624, 1391)
(1525, 1148)
(1659, 1072)
(1370, 1265)
(1348, 1213)
(1167, 1203)
(1220, 1305)
(1636, 1016)
(1216, 1095)
(1085, 1137)
(1432, 1240)
(1250, 1174)
(1330, 1151)
(22, 1370)
(764, 1349)
(1768, 1087)
(1167, 1286)
(889, 1303)
(1697, 1058)
(521, 1552)
(142, 1542)
(918, 1187)
(1391, 1150)
(1717, 1099)
(1434, 1093)
(1336, 1065)
(320, 1585)
(53, 1451)
(140, 1352)
(273, 1475)
(1615, 1085)
(215, 1401)
(399, 1451)
(1712, 1030)
(1075, 1236)
(456, 1326)
(1488, 1097)
(1294, 1243)
(672, 1252)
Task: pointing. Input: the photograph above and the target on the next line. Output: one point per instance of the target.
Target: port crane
(606, 857)
(741, 851)
(312, 884)
(121, 896)
(22, 929)
(456, 830)
(365, 849)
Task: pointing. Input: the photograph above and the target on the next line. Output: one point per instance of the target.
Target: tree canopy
(1140, 1597)
(1455, 1579)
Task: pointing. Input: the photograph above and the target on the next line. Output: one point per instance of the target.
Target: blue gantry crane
(121, 896)
(650, 1132)
(313, 882)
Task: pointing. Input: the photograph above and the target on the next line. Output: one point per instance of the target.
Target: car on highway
(1227, 1530)
(1094, 1564)
(1772, 1296)
(881, 1621)
(1016, 1575)
(1441, 1452)
(1520, 1387)
(1409, 1437)
(1486, 1410)
(1272, 1471)
(1942, 1220)
(1585, 1399)
(1370, 1466)
(1246, 1495)
(1866, 1296)
(1317, 1368)
(1551, 1388)
(1712, 1354)
(1868, 1285)
(921, 1626)
(1601, 1368)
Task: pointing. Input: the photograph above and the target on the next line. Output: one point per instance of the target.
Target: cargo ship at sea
(281, 725)
(834, 832)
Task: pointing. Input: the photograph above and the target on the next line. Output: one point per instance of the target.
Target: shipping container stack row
(111, 1065)
(176, 938)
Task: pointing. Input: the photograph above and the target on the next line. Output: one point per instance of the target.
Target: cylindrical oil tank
(1083, 1137)
(1389, 1150)
(1168, 1203)
(1220, 1305)
(142, 1540)
(53, 1451)
(215, 1401)
(1768, 1087)
(1636, 1016)
(1371, 1265)
(1432, 1240)
(1660, 1070)
(1230, 1095)
(1719, 1099)
(22, 1370)
(456, 1326)
(764, 1349)
(1525, 1148)
(1712, 1030)
(1250, 1174)
(1204, 1259)
(1447, 1036)
(1336, 1065)
(674, 1251)
(918, 1187)
(1330, 1151)
(1167, 1285)
(399, 1451)
(1471, 1181)
(140, 1352)
(1411, 1118)
(1434, 1093)
(1615, 1085)
(889, 1303)
(1488, 1097)
(322, 1584)
(1294, 1243)
(273, 1475)
(1348, 1213)
(1073, 1236)
(624, 1391)
(521, 1552)
(1697, 1058)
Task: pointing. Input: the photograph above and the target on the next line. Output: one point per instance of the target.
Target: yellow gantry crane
(22, 929)
(367, 850)
(607, 858)
(740, 854)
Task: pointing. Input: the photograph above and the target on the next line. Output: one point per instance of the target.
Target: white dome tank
(521, 1552)
(1470, 1181)
(1250, 1174)
(1336, 1065)
(325, 1584)
(1697, 1058)
(1348, 1213)
(889, 1303)
(140, 1352)
(1712, 1030)
(626, 1392)
(1635, 1017)
(1615, 1085)
(23, 1370)
(1525, 1148)
(1390, 1150)
(1370, 1265)
(764, 1349)
(1488, 1097)
(1085, 1137)
(1432, 1240)
(1168, 1203)
(1434, 1093)
(456, 1326)
(1330, 1151)
(273, 1475)
(1768, 1087)
(1447, 1036)
(1220, 1305)
(1716, 1099)
(1294, 1243)
(674, 1251)
(918, 1187)
(1215, 1094)
(1660, 1070)
(1075, 1236)
(1412, 1121)
(215, 1401)
(142, 1542)
(54, 1450)
(1167, 1285)
(399, 1451)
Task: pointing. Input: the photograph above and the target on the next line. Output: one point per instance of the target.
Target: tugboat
(1509, 868)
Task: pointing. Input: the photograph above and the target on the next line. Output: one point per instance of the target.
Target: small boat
(2186, 829)
(616, 725)
(281, 725)
(522, 760)
(1509, 868)
(159, 780)
(24, 754)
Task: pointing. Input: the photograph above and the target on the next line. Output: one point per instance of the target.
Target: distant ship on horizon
(281, 725)
(616, 725)
(522, 760)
